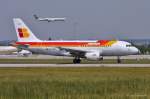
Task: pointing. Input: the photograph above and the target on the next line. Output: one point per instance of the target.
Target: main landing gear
(76, 60)
(118, 60)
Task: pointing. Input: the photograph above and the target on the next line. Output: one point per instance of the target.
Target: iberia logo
(23, 32)
(107, 42)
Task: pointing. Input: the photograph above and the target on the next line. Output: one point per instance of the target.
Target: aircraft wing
(74, 52)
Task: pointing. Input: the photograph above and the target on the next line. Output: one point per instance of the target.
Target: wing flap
(74, 52)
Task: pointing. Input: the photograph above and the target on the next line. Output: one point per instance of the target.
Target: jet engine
(93, 56)
(24, 53)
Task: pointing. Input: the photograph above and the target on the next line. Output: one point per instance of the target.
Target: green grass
(75, 83)
(69, 61)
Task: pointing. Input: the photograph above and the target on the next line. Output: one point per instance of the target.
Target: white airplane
(49, 19)
(89, 49)
(7, 49)
(10, 50)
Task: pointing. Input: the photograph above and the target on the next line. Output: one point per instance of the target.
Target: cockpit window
(129, 45)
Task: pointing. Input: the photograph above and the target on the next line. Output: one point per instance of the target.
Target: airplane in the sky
(88, 49)
(48, 19)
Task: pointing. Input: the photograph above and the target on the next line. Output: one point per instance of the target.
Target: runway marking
(74, 65)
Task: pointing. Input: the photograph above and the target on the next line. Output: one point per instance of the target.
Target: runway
(63, 57)
(74, 65)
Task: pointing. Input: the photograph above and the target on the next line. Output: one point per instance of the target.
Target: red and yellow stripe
(100, 43)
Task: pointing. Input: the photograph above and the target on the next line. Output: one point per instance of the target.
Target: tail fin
(24, 34)
(35, 16)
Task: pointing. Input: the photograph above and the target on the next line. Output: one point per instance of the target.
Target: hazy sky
(86, 19)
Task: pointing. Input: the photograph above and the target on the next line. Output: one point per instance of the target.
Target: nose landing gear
(118, 60)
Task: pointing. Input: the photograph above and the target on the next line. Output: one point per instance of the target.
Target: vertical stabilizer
(24, 34)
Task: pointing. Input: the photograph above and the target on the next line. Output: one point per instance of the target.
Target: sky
(85, 19)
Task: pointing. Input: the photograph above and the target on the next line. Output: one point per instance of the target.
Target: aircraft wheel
(76, 61)
(101, 59)
(119, 60)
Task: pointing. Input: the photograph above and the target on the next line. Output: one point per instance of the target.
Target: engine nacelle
(93, 56)
(24, 53)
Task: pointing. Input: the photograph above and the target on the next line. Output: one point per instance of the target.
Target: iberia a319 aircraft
(89, 49)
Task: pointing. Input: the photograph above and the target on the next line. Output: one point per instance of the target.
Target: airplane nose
(139, 52)
(135, 51)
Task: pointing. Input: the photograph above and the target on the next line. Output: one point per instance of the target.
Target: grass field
(69, 61)
(75, 83)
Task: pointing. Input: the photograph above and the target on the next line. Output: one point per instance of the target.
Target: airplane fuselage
(106, 48)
